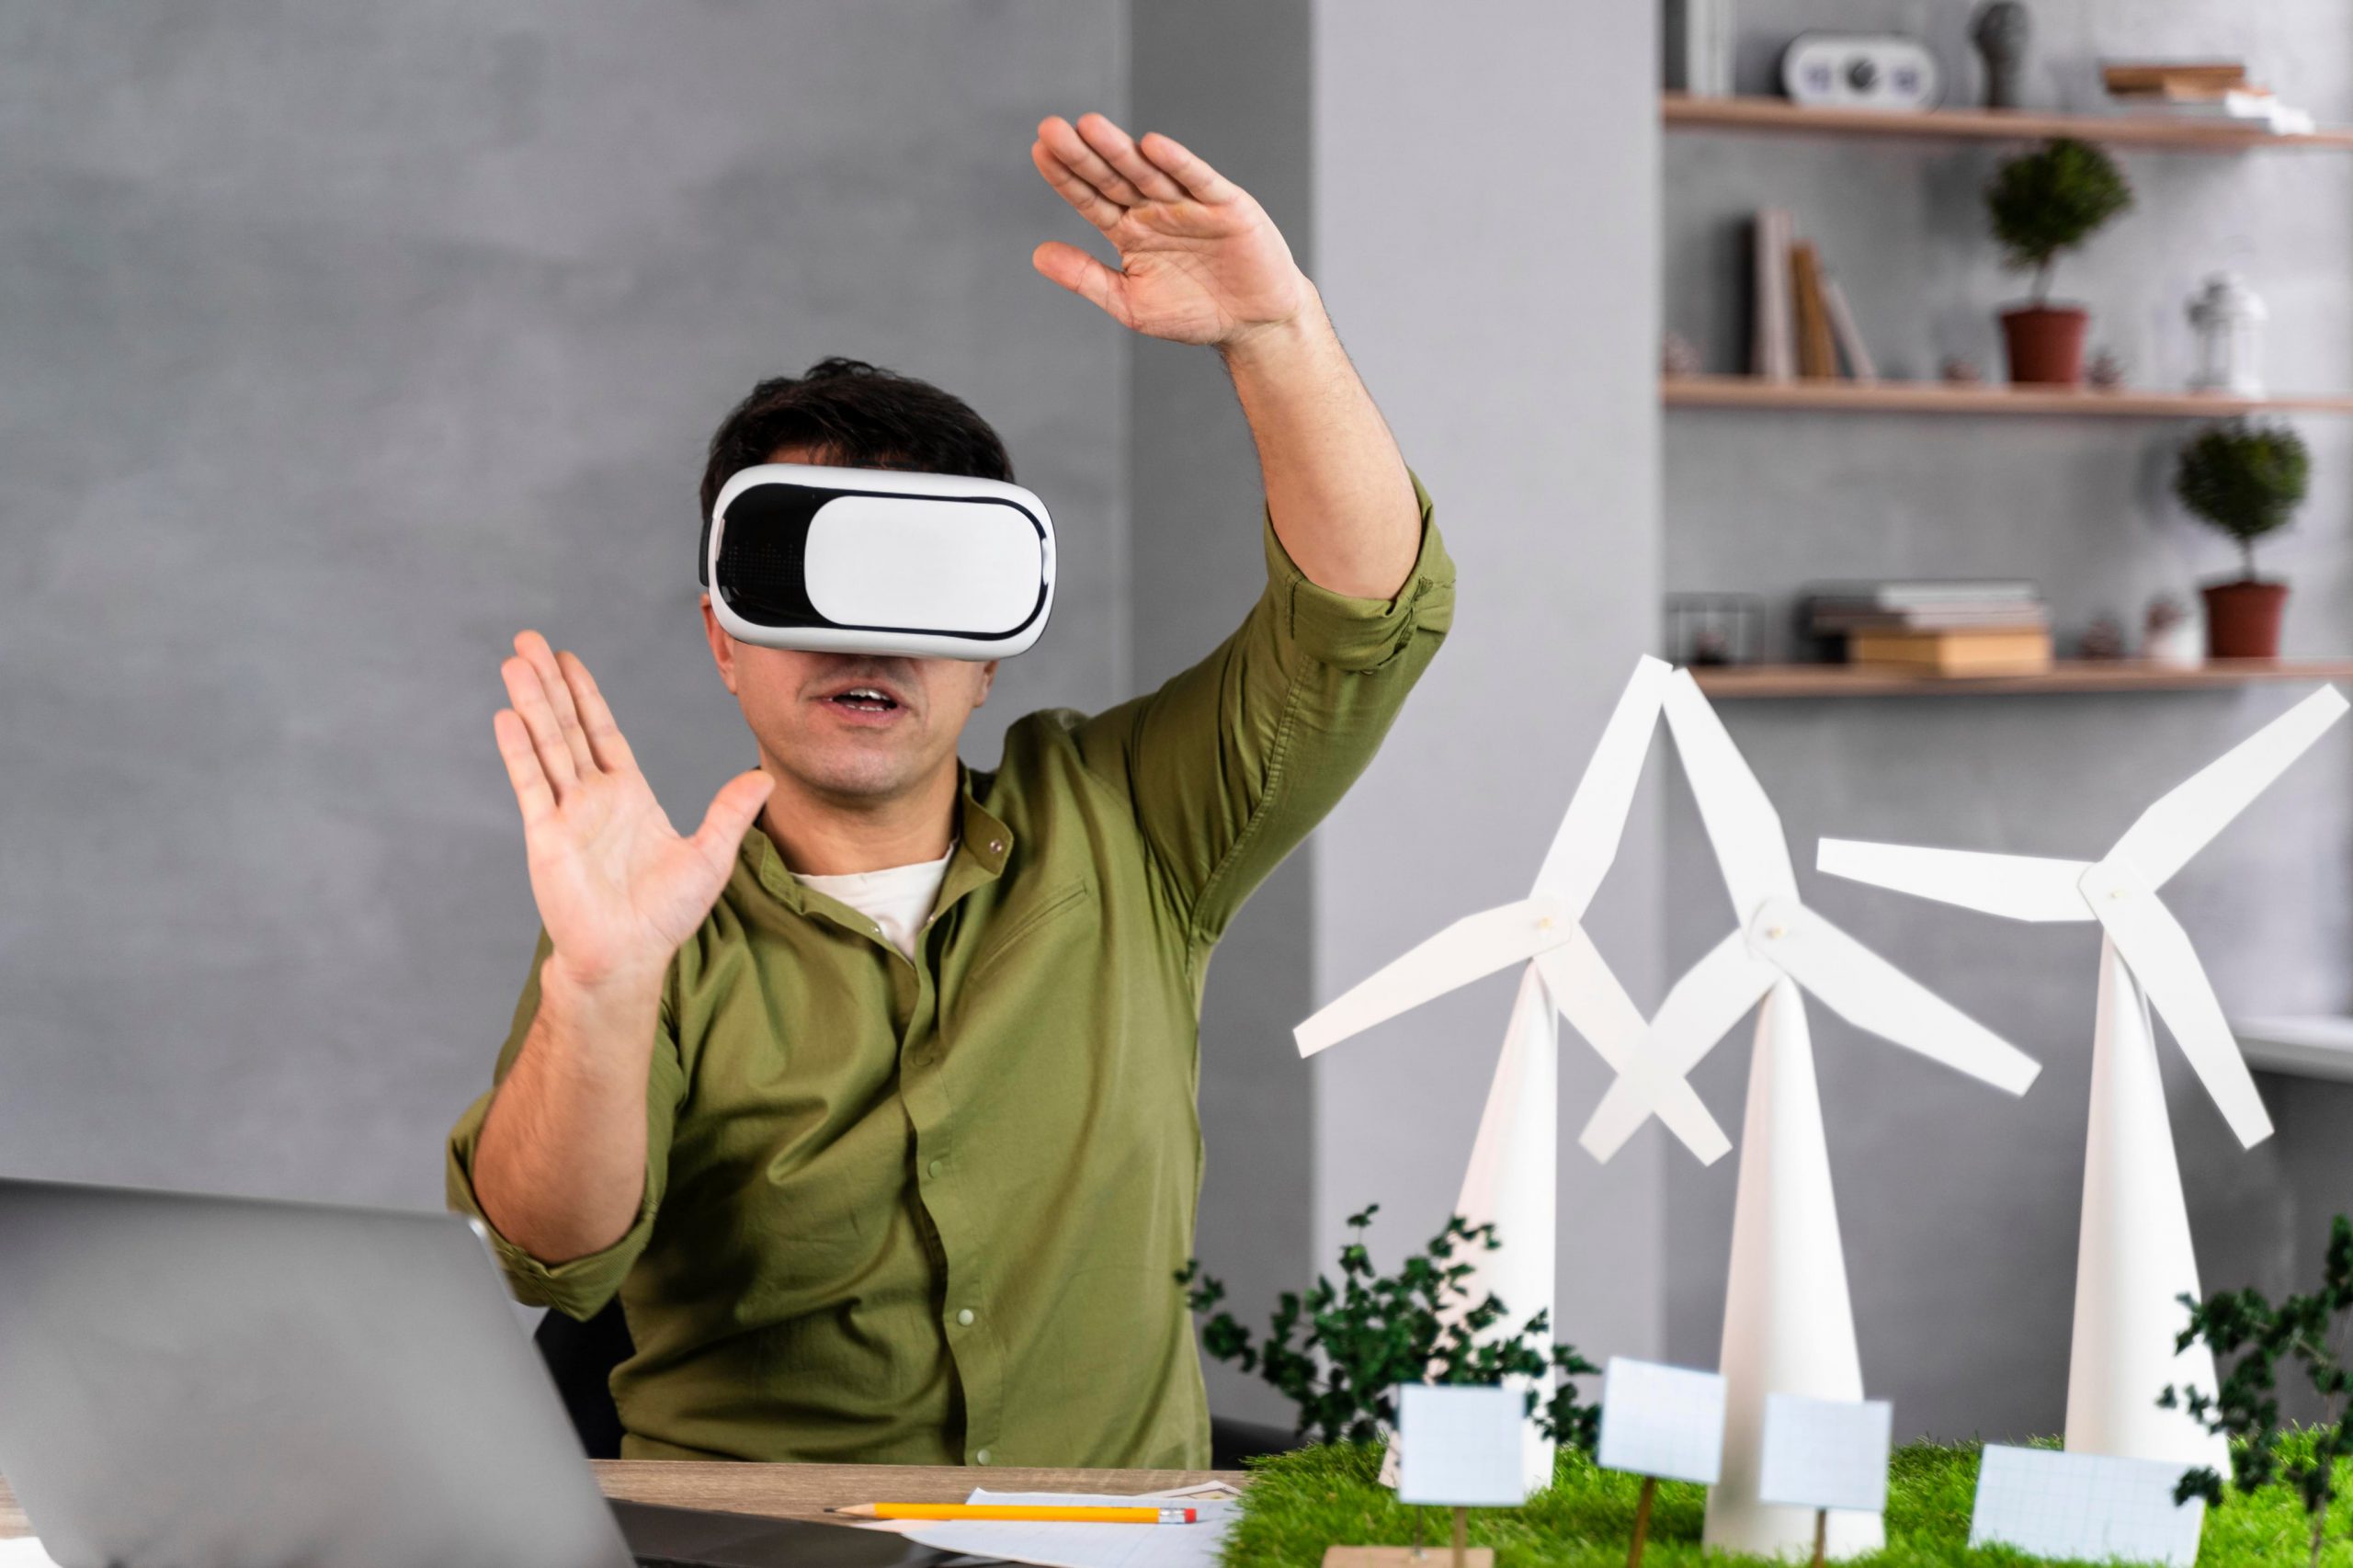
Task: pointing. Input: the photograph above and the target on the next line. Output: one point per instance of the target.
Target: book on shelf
(2026, 650)
(1772, 336)
(1941, 618)
(1817, 353)
(2167, 78)
(1915, 593)
(1842, 325)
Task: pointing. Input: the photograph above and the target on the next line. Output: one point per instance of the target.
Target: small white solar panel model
(1460, 1449)
(1826, 1454)
(1461, 1445)
(2049, 1503)
(1662, 1421)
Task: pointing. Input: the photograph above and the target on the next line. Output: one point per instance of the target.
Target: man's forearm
(1337, 485)
(560, 1168)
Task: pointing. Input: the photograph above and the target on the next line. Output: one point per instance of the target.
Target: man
(874, 1098)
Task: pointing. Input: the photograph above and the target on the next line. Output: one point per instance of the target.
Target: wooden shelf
(1681, 112)
(1732, 682)
(1939, 397)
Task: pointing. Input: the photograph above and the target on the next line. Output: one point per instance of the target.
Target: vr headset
(869, 561)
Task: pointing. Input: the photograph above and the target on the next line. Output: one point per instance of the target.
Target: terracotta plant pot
(2045, 343)
(2243, 619)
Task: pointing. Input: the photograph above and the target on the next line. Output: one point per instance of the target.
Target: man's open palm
(619, 887)
(1199, 261)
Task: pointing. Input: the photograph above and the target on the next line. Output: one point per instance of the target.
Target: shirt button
(932, 1169)
(996, 846)
(981, 1458)
(964, 1318)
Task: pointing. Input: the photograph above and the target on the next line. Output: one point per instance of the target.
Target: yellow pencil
(1029, 1512)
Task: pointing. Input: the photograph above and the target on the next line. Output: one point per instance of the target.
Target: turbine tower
(2133, 1256)
(1788, 1324)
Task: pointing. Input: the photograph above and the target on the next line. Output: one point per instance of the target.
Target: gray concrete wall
(1231, 79)
(346, 340)
(1959, 1206)
(1486, 219)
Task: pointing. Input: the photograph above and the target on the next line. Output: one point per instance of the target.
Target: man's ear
(722, 646)
(988, 679)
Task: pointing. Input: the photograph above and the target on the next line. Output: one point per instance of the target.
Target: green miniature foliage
(2245, 478)
(1298, 1504)
(2310, 1329)
(2051, 200)
(1338, 1352)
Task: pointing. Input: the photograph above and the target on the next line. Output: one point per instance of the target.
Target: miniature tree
(2312, 1329)
(1339, 1352)
(2245, 478)
(2053, 200)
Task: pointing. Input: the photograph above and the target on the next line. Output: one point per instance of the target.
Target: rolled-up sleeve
(579, 1285)
(1234, 761)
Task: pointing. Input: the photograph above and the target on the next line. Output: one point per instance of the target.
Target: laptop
(193, 1382)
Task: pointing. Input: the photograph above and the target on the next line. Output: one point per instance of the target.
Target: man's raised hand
(1199, 261)
(619, 887)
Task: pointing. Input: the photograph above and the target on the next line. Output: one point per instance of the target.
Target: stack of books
(1802, 322)
(2201, 89)
(1937, 628)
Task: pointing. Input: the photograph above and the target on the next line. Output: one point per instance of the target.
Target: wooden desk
(806, 1491)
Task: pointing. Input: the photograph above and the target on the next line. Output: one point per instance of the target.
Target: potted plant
(2246, 480)
(2042, 203)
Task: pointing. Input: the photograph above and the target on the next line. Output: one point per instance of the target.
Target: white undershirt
(896, 898)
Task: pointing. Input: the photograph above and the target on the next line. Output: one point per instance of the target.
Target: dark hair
(854, 415)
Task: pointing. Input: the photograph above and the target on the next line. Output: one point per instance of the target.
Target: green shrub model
(2246, 480)
(2309, 1329)
(2041, 204)
(1339, 1352)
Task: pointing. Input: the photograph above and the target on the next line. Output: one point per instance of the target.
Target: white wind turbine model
(2134, 1259)
(1788, 1324)
(1513, 1180)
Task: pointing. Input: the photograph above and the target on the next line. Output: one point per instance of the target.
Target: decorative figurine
(2170, 636)
(2103, 638)
(2000, 33)
(2106, 371)
(2229, 317)
(1677, 356)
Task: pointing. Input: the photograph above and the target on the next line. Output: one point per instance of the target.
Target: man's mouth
(863, 699)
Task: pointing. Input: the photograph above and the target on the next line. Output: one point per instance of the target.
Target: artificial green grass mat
(1298, 1504)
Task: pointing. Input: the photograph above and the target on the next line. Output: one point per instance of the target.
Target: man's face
(854, 727)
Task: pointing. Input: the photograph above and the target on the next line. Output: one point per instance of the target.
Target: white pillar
(1789, 1326)
(2134, 1259)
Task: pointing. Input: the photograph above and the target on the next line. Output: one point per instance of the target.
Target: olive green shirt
(931, 1211)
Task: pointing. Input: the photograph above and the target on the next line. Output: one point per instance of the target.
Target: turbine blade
(1587, 840)
(1872, 994)
(1713, 995)
(1587, 994)
(2164, 964)
(2020, 887)
(1743, 828)
(2185, 819)
(1476, 946)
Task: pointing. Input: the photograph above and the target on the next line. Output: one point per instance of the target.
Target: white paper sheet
(1091, 1546)
(1662, 1421)
(1461, 1446)
(2048, 1503)
(1825, 1453)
